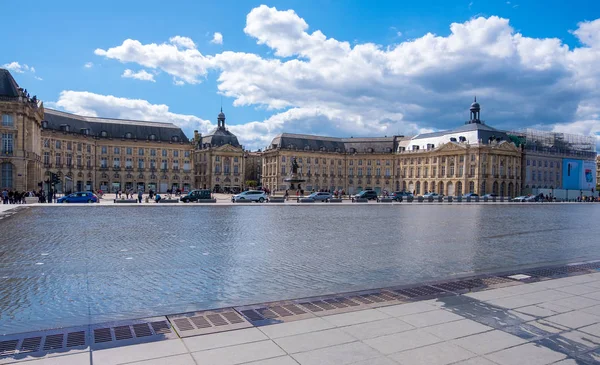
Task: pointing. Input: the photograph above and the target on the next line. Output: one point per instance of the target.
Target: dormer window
(388, 149)
(353, 150)
(152, 137)
(64, 127)
(128, 135)
(44, 124)
(322, 149)
(306, 148)
(175, 139)
(370, 150)
(104, 134)
(84, 131)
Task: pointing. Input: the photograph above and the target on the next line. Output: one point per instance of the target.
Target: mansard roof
(8, 85)
(333, 144)
(113, 128)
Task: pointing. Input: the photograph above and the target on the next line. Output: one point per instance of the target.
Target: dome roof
(475, 105)
(219, 137)
(221, 115)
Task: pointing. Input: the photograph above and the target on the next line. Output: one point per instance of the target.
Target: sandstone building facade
(43, 148)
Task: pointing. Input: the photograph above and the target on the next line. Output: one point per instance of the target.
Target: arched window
(7, 176)
(152, 137)
(104, 134)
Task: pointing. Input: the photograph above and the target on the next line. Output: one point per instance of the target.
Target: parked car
(490, 196)
(469, 195)
(431, 195)
(196, 195)
(367, 194)
(396, 195)
(79, 197)
(522, 198)
(319, 196)
(254, 195)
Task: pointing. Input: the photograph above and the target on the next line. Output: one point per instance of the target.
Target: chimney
(196, 136)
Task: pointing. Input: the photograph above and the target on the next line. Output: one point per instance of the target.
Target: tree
(251, 183)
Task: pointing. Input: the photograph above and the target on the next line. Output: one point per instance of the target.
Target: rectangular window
(69, 159)
(163, 164)
(129, 151)
(58, 160)
(351, 162)
(164, 153)
(186, 165)
(387, 172)
(79, 161)
(217, 158)
(152, 152)
(236, 169)
(69, 145)
(117, 151)
(369, 170)
(186, 154)
(58, 145)
(140, 163)
(176, 153)
(140, 151)
(103, 162)
(176, 164)
(368, 162)
(89, 148)
(78, 147)
(472, 171)
(88, 161)
(46, 143)
(116, 162)
(104, 150)
(46, 158)
(472, 157)
(7, 143)
(7, 120)
(283, 168)
(360, 171)
(351, 171)
(129, 162)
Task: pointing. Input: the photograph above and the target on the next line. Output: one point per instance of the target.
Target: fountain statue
(293, 178)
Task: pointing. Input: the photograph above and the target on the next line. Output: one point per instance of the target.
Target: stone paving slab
(546, 322)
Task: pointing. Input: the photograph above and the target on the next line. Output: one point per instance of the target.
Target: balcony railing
(47, 165)
(7, 152)
(129, 168)
(58, 166)
(116, 168)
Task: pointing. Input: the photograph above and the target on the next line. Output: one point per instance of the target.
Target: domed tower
(475, 109)
(221, 120)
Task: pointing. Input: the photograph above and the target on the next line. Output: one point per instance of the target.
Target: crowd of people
(16, 197)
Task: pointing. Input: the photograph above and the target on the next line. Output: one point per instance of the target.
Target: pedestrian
(157, 197)
(140, 193)
(50, 194)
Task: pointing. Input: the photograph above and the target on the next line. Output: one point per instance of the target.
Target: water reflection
(104, 263)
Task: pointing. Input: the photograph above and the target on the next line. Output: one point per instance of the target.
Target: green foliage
(251, 183)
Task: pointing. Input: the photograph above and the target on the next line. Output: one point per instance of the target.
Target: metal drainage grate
(276, 312)
(205, 322)
(47, 341)
(589, 266)
(421, 292)
(137, 331)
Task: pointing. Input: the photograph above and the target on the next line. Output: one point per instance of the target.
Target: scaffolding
(556, 143)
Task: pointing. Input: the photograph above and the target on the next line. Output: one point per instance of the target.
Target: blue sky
(273, 74)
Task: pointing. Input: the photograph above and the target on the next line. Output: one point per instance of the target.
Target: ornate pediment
(228, 148)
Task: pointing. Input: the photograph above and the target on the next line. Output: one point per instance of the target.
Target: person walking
(50, 193)
(140, 193)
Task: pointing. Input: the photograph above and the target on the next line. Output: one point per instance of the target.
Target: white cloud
(94, 105)
(88, 65)
(178, 82)
(17, 67)
(187, 64)
(317, 84)
(182, 42)
(217, 38)
(588, 33)
(399, 34)
(140, 75)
